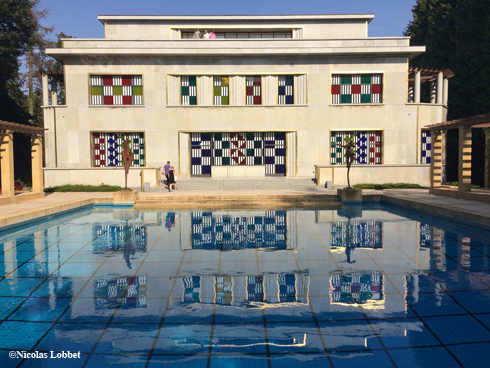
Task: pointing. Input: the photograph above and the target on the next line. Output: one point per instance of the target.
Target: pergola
(7, 131)
(464, 166)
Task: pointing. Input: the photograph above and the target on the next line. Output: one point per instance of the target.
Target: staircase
(268, 183)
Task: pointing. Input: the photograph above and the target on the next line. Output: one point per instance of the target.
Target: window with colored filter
(107, 148)
(221, 90)
(426, 146)
(188, 90)
(286, 89)
(116, 90)
(357, 88)
(368, 147)
(254, 90)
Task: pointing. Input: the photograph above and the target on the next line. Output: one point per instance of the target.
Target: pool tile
(71, 337)
(404, 332)
(16, 335)
(327, 310)
(178, 361)
(458, 281)
(246, 338)
(8, 305)
(182, 312)
(312, 360)
(472, 356)
(127, 339)
(434, 304)
(183, 339)
(221, 361)
(61, 287)
(243, 313)
(41, 309)
(90, 310)
(14, 286)
(349, 335)
(149, 311)
(430, 357)
(474, 301)
(457, 329)
(375, 358)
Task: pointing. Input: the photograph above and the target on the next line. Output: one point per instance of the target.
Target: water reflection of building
(109, 238)
(354, 288)
(259, 229)
(246, 290)
(357, 233)
(125, 292)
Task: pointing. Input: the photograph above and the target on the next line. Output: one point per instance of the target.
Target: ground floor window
(426, 147)
(107, 149)
(368, 147)
(238, 148)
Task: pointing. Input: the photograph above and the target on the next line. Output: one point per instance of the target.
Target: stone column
(464, 165)
(410, 94)
(433, 92)
(435, 163)
(445, 98)
(440, 87)
(443, 156)
(45, 90)
(54, 92)
(417, 87)
(7, 164)
(487, 159)
(37, 163)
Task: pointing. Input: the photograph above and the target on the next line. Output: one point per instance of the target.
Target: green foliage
(456, 34)
(455, 184)
(386, 186)
(85, 188)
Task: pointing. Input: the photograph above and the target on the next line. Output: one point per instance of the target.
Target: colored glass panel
(188, 90)
(253, 90)
(286, 89)
(221, 90)
(116, 90)
(368, 145)
(107, 149)
(356, 88)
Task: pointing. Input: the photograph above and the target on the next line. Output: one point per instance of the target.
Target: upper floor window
(252, 34)
(356, 88)
(286, 90)
(188, 90)
(116, 90)
(221, 90)
(254, 90)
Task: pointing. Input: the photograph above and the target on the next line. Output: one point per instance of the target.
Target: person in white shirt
(206, 35)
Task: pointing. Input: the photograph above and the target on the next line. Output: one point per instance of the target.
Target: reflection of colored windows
(254, 90)
(116, 90)
(286, 88)
(368, 147)
(107, 148)
(221, 90)
(287, 288)
(224, 290)
(356, 88)
(192, 289)
(188, 90)
(426, 146)
(255, 289)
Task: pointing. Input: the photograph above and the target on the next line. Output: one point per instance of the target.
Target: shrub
(84, 188)
(387, 186)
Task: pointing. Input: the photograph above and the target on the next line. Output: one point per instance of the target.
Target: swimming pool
(362, 286)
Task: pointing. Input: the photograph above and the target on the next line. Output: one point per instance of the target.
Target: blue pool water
(370, 286)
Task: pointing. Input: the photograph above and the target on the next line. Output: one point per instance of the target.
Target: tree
(457, 36)
(17, 28)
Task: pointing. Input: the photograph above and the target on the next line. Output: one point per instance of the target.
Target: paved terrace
(419, 199)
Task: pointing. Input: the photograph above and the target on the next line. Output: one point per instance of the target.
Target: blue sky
(79, 18)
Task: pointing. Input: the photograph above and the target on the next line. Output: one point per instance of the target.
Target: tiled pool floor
(370, 286)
